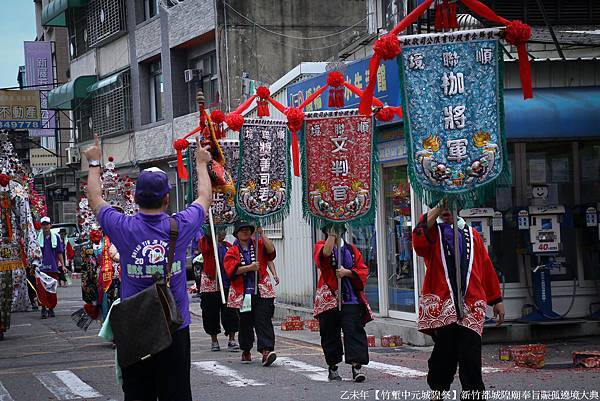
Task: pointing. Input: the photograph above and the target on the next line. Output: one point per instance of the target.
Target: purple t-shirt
(250, 279)
(348, 294)
(50, 255)
(143, 244)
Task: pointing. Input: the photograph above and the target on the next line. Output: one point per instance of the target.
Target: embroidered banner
(223, 205)
(264, 180)
(338, 167)
(453, 97)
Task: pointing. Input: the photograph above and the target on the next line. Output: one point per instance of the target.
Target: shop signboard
(20, 109)
(39, 73)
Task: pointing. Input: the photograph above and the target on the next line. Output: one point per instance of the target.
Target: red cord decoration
(263, 93)
(4, 180)
(180, 145)
(336, 80)
(234, 121)
(445, 16)
(218, 118)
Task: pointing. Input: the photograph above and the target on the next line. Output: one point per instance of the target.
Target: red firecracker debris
(391, 341)
(371, 340)
(586, 359)
(529, 356)
(312, 325)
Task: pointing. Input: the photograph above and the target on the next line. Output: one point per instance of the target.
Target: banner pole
(216, 252)
(457, 259)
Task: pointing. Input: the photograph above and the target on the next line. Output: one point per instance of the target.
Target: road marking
(395, 370)
(4, 394)
(233, 378)
(315, 373)
(65, 385)
(489, 369)
(20, 325)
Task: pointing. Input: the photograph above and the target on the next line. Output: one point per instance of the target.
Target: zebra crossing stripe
(395, 370)
(65, 385)
(4, 394)
(233, 378)
(315, 373)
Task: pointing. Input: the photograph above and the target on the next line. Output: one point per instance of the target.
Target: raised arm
(329, 244)
(93, 154)
(203, 157)
(269, 246)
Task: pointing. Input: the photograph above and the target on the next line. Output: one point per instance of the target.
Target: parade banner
(263, 183)
(454, 117)
(338, 164)
(223, 205)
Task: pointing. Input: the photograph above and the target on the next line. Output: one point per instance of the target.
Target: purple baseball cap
(152, 183)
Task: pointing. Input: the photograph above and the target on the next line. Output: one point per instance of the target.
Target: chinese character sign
(263, 180)
(39, 73)
(20, 109)
(453, 98)
(338, 166)
(223, 205)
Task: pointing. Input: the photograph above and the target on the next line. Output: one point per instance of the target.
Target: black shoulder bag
(143, 324)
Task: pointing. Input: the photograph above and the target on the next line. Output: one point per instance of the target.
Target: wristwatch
(94, 163)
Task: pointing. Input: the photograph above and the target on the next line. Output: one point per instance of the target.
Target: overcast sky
(17, 24)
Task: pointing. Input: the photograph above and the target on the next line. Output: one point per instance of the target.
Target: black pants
(31, 291)
(260, 318)
(215, 313)
(165, 376)
(456, 345)
(349, 321)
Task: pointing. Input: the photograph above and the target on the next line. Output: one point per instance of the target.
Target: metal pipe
(339, 266)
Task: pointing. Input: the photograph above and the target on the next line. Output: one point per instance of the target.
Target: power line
(292, 36)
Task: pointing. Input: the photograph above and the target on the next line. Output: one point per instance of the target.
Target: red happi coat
(436, 305)
(233, 260)
(327, 286)
(208, 281)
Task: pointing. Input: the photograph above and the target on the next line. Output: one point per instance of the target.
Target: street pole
(339, 266)
(457, 258)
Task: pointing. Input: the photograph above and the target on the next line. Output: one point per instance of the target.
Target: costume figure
(214, 312)
(457, 338)
(19, 247)
(355, 311)
(245, 259)
(52, 255)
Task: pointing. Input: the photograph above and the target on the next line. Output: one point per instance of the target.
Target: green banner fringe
(367, 218)
(476, 197)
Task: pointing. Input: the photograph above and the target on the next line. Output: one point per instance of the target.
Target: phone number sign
(20, 109)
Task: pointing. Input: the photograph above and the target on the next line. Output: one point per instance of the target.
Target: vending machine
(546, 256)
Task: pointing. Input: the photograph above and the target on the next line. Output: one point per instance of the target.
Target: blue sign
(387, 89)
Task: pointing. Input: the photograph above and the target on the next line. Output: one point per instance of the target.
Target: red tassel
(263, 108)
(336, 97)
(295, 154)
(180, 145)
(445, 16)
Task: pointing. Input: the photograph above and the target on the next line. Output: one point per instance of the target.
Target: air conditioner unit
(73, 155)
(192, 75)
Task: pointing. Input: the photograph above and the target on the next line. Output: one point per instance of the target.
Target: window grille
(106, 19)
(274, 231)
(78, 38)
(111, 107)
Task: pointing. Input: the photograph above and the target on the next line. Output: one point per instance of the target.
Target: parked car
(73, 231)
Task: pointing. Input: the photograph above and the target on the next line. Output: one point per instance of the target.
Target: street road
(53, 360)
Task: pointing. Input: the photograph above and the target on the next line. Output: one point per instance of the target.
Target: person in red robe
(246, 258)
(355, 311)
(214, 312)
(457, 338)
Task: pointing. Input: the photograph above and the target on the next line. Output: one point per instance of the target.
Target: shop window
(550, 181)
(365, 240)
(150, 8)
(589, 172)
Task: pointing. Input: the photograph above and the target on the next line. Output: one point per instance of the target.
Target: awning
(61, 98)
(111, 80)
(54, 13)
(553, 113)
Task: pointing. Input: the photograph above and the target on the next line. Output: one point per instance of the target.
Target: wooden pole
(216, 252)
(339, 265)
(457, 259)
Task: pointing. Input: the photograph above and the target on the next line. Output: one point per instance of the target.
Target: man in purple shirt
(142, 241)
(52, 253)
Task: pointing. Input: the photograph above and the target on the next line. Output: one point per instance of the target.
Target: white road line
(4, 394)
(233, 378)
(315, 373)
(489, 369)
(65, 385)
(395, 370)
(20, 325)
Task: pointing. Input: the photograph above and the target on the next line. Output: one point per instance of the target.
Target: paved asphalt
(53, 360)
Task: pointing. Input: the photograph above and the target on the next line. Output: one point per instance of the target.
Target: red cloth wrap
(295, 118)
(180, 145)
(517, 34)
(312, 97)
(387, 47)
(445, 16)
